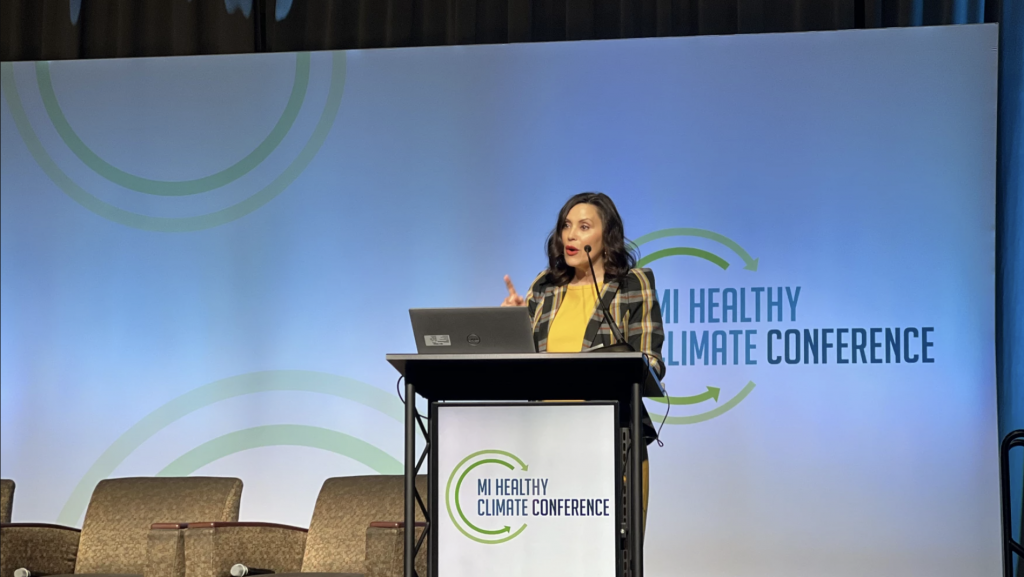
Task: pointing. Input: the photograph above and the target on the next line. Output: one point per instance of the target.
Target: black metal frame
(1014, 439)
(433, 487)
(632, 527)
(412, 495)
(636, 511)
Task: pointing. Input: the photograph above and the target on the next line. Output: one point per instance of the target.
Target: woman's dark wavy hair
(620, 252)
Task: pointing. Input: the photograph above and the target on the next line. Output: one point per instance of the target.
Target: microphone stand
(621, 346)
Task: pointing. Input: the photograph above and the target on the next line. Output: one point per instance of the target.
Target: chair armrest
(38, 547)
(165, 550)
(385, 549)
(212, 548)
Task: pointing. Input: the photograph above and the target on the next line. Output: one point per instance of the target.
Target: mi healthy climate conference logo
(491, 494)
(714, 328)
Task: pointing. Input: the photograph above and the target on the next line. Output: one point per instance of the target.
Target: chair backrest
(121, 510)
(6, 499)
(345, 508)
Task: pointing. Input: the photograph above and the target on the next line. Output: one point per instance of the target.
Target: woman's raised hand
(513, 299)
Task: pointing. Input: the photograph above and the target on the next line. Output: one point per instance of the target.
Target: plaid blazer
(632, 303)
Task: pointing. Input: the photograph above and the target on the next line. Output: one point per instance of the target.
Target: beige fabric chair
(118, 536)
(353, 532)
(6, 499)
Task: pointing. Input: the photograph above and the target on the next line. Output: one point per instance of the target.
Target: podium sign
(577, 451)
(527, 489)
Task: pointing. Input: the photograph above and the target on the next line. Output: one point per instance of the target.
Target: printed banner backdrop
(205, 260)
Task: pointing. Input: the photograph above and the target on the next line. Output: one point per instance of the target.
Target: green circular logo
(100, 166)
(452, 492)
(750, 264)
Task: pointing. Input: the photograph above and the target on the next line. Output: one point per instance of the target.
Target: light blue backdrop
(205, 260)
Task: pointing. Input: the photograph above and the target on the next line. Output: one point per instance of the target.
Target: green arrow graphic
(749, 261)
(683, 251)
(711, 393)
(458, 503)
(720, 409)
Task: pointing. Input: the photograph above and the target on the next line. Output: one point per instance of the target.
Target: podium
(617, 381)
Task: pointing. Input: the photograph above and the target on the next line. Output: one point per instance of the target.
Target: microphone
(621, 345)
(238, 570)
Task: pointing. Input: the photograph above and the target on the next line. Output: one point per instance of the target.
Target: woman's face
(582, 226)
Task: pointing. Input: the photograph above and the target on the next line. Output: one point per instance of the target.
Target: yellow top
(570, 322)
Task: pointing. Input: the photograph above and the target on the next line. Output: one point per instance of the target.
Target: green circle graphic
(206, 395)
(458, 506)
(183, 187)
(751, 264)
(185, 224)
(278, 435)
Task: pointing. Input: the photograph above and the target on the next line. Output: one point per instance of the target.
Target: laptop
(472, 330)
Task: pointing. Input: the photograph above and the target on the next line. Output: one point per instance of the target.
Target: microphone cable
(668, 399)
(618, 336)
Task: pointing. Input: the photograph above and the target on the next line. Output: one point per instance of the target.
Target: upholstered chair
(354, 532)
(118, 536)
(6, 500)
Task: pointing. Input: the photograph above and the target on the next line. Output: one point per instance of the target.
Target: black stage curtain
(66, 29)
